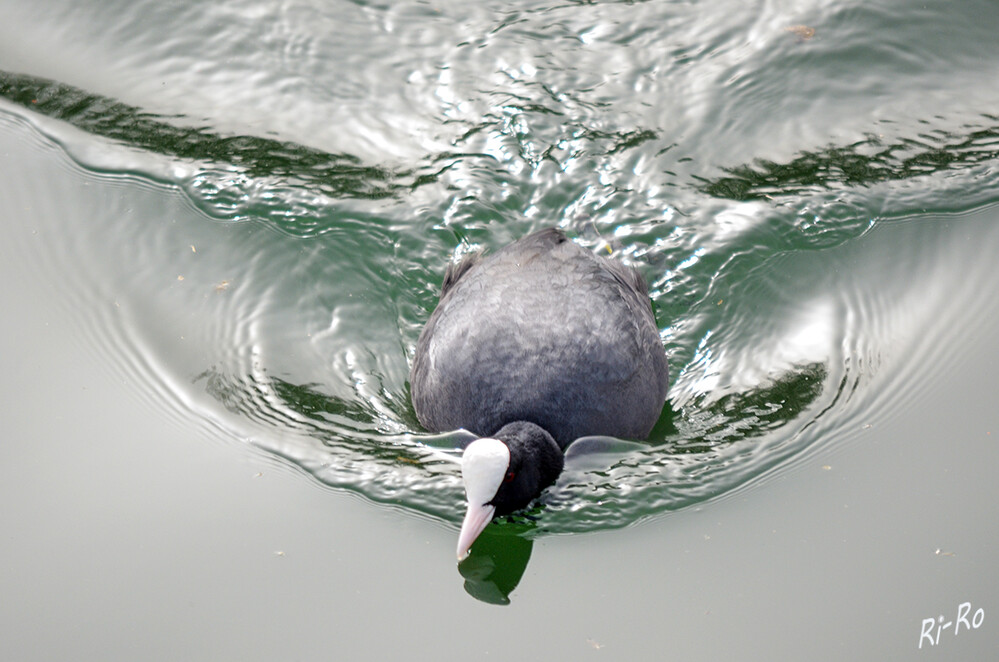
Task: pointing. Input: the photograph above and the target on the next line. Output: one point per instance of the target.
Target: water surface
(245, 210)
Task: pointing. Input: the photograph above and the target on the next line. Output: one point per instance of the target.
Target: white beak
(483, 467)
(477, 518)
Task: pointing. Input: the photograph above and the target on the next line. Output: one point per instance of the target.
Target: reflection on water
(240, 176)
(498, 563)
(870, 161)
(737, 416)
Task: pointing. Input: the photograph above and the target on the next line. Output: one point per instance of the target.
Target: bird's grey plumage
(542, 331)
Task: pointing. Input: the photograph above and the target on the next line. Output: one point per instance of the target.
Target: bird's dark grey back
(541, 331)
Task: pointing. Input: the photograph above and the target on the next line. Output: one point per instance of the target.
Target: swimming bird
(530, 348)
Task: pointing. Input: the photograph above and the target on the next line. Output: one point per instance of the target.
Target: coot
(530, 348)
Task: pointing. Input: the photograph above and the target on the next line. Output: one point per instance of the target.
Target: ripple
(271, 283)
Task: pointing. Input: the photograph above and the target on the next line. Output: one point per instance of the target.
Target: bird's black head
(504, 473)
(535, 463)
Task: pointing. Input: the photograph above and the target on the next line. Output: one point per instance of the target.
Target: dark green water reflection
(870, 161)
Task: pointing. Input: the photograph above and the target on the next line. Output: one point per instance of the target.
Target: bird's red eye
(509, 477)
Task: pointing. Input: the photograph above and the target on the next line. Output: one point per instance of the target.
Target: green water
(239, 215)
